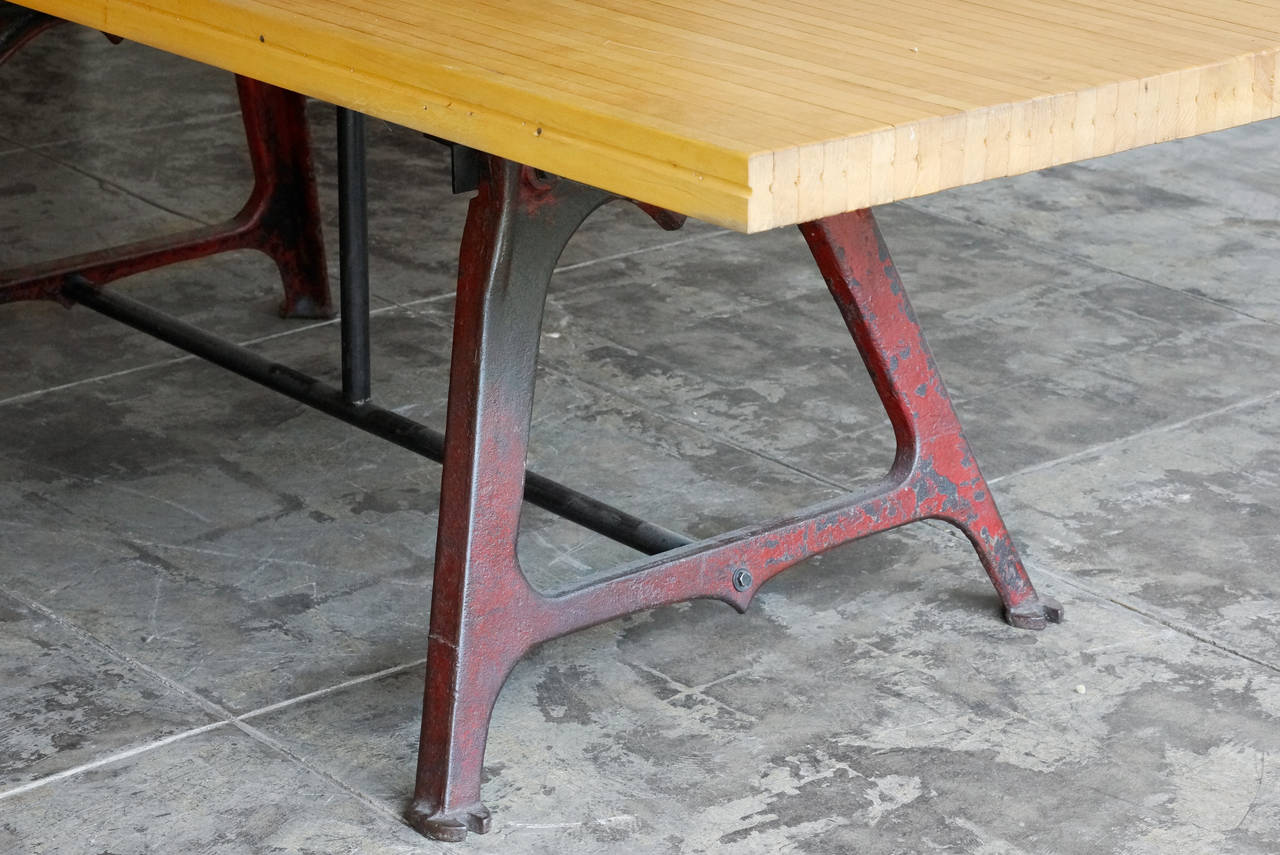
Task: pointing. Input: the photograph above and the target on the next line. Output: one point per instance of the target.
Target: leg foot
(451, 826)
(1034, 613)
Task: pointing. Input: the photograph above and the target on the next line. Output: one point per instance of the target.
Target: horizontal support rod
(549, 495)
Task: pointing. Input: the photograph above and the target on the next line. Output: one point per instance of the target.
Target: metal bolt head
(741, 580)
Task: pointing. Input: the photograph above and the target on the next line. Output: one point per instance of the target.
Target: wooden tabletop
(750, 113)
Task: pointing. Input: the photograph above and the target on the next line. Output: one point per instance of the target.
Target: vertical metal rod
(353, 264)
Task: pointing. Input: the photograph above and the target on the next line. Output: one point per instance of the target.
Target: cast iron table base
(281, 217)
(484, 613)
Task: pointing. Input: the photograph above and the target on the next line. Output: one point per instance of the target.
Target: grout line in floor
(1167, 622)
(187, 357)
(297, 759)
(1039, 572)
(329, 690)
(1056, 251)
(1155, 430)
(617, 256)
(223, 716)
(390, 305)
(715, 437)
(108, 759)
(117, 186)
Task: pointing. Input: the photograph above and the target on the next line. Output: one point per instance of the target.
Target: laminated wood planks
(750, 113)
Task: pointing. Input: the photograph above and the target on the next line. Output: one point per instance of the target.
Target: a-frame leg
(484, 613)
(281, 217)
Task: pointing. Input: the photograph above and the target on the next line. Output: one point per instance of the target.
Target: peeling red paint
(485, 615)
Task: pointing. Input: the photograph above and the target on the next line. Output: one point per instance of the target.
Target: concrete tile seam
(1041, 572)
(959, 717)
(26, 396)
(1054, 249)
(115, 185)
(697, 691)
(1169, 623)
(1157, 430)
(622, 819)
(407, 306)
(563, 555)
(107, 760)
(250, 731)
(98, 537)
(217, 711)
(1102, 166)
(644, 250)
(191, 512)
(688, 691)
(217, 553)
(1257, 793)
(283, 750)
(224, 717)
(329, 690)
(700, 429)
(103, 482)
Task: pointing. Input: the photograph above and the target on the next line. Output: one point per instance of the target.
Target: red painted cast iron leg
(481, 605)
(934, 462)
(281, 217)
(485, 615)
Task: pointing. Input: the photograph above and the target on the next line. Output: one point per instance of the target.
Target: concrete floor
(213, 601)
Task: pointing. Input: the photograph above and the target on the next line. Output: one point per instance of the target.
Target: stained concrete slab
(250, 798)
(67, 701)
(1152, 226)
(72, 84)
(890, 746)
(1185, 529)
(221, 597)
(349, 593)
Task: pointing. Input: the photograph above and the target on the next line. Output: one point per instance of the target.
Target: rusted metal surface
(934, 474)
(484, 613)
(517, 226)
(281, 218)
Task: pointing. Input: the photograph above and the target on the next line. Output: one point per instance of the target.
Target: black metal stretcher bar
(484, 614)
(351, 403)
(547, 494)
